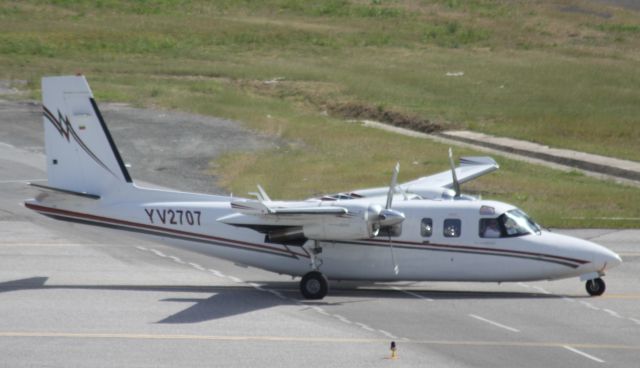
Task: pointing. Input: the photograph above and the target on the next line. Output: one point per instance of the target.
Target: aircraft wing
(294, 222)
(433, 186)
(291, 210)
(470, 168)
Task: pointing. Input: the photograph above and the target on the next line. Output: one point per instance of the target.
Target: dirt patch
(361, 111)
(321, 96)
(579, 10)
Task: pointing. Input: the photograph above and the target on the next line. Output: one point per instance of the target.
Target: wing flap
(262, 208)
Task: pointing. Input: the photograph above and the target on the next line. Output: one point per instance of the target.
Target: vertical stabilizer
(81, 155)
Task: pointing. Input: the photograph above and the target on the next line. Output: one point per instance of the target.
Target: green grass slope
(559, 73)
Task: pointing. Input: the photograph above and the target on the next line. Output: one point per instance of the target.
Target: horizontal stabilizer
(64, 191)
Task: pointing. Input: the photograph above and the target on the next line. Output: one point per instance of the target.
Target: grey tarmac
(72, 295)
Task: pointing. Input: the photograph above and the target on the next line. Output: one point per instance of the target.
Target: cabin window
(390, 231)
(452, 228)
(490, 228)
(426, 227)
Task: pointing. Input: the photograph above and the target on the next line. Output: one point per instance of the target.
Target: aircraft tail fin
(81, 154)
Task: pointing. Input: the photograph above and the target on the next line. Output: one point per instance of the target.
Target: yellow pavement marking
(141, 336)
(40, 244)
(620, 296)
(629, 254)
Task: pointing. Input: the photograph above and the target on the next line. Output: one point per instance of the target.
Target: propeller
(456, 184)
(392, 185)
(387, 216)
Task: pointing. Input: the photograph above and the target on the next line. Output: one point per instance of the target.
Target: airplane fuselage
(189, 221)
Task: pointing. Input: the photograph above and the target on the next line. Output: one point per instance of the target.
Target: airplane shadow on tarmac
(231, 300)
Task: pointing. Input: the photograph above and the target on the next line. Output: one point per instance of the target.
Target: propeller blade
(392, 186)
(396, 268)
(263, 194)
(456, 184)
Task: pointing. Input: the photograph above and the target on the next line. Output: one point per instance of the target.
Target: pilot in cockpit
(492, 229)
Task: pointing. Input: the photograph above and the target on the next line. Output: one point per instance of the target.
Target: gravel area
(167, 148)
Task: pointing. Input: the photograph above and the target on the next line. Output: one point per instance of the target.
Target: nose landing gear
(595, 287)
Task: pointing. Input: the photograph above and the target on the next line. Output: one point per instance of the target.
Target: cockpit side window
(510, 224)
(452, 228)
(426, 227)
(490, 228)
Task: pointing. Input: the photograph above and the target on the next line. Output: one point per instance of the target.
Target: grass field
(559, 73)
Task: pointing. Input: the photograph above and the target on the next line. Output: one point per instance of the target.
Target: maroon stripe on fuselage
(159, 229)
(470, 248)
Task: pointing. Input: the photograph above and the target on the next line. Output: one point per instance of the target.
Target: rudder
(81, 154)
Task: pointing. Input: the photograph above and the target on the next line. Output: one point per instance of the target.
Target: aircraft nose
(606, 258)
(613, 260)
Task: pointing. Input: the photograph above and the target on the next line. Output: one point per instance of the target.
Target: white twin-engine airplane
(422, 230)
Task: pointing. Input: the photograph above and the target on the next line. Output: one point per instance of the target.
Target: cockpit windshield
(510, 224)
(518, 223)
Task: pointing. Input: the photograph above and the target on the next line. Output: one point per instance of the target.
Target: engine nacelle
(360, 223)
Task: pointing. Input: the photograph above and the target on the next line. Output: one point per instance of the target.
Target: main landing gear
(595, 287)
(314, 285)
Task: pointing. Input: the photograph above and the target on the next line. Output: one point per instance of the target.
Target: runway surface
(72, 295)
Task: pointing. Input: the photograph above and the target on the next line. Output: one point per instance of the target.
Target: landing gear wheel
(595, 287)
(314, 285)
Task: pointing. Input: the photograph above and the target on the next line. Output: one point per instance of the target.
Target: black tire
(314, 285)
(595, 287)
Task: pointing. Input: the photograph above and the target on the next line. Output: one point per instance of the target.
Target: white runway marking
(412, 293)
(589, 305)
(612, 313)
(159, 253)
(542, 290)
(636, 321)
(217, 273)
(494, 323)
(177, 260)
(320, 310)
(274, 292)
(583, 354)
(388, 334)
(342, 319)
(196, 266)
(142, 248)
(364, 327)
(235, 279)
